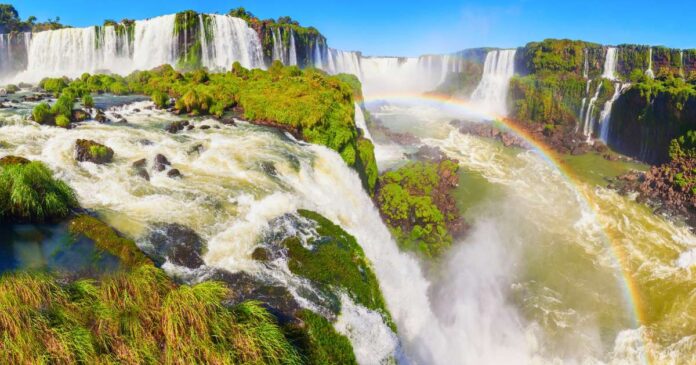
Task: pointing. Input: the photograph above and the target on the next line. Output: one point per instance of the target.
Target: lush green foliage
(549, 98)
(463, 82)
(406, 198)
(88, 101)
(684, 146)
(562, 55)
(336, 261)
(29, 193)
(132, 317)
(62, 121)
(42, 113)
(320, 342)
(10, 21)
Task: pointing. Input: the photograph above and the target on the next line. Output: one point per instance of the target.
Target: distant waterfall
(73, 51)
(610, 64)
(491, 92)
(586, 64)
(649, 72)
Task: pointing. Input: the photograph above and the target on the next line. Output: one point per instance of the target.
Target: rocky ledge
(90, 151)
(669, 188)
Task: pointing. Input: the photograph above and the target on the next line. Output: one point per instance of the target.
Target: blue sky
(417, 27)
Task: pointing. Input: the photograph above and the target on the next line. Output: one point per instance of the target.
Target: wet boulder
(140, 168)
(13, 160)
(90, 151)
(178, 244)
(174, 174)
(79, 115)
(176, 127)
(161, 162)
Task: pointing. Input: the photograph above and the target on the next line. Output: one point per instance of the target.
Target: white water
(234, 41)
(649, 72)
(491, 93)
(610, 64)
(360, 121)
(588, 125)
(605, 115)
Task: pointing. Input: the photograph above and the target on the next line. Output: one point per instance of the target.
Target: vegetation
(547, 98)
(88, 101)
(336, 261)
(412, 201)
(309, 103)
(42, 113)
(108, 240)
(320, 342)
(564, 56)
(137, 316)
(10, 21)
(29, 193)
(62, 121)
(683, 146)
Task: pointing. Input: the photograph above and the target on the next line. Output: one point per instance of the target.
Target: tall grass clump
(29, 193)
(133, 317)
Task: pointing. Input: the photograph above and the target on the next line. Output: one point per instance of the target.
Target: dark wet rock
(90, 151)
(260, 254)
(174, 173)
(136, 110)
(13, 160)
(122, 121)
(140, 168)
(176, 127)
(428, 153)
(269, 168)
(79, 115)
(177, 243)
(117, 116)
(198, 148)
(145, 142)
(275, 298)
(227, 120)
(100, 116)
(161, 163)
(189, 127)
(488, 130)
(669, 188)
(204, 127)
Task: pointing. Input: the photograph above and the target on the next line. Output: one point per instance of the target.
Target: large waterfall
(491, 93)
(610, 64)
(73, 51)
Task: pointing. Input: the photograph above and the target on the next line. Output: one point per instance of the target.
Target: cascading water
(360, 121)
(292, 58)
(605, 115)
(233, 41)
(491, 93)
(588, 124)
(586, 64)
(649, 72)
(610, 64)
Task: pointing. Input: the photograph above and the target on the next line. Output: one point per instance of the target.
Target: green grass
(139, 316)
(337, 262)
(29, 193)
(62, 121)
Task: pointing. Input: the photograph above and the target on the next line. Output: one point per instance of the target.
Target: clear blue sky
(417, 27)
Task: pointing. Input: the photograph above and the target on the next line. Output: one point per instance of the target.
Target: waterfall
(318, 62)
(234, 41)
(444, 67)
(360, 122)
(605, 115)
(586, 64)
(491, 92)
(292, 59)
(344, 62)
(205, 50)
(588, 125)
(610, 64)
(649, 72)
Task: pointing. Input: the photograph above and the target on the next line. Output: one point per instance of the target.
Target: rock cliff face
(642, 126)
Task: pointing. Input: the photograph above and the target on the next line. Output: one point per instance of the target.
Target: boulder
(90, 151)
(176, 127)
(161, 163)
(178, 244)
(79, 115)
(13, 160)
(174, 173)
(140, 168)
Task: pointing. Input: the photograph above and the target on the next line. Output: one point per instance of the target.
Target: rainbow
(632, 292)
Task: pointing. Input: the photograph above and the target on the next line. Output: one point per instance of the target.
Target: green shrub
(28, 192)
(88, 101)
(320, 343)
(11, 89)
(42, 113)
(64, 105)
(98, 152)
(62, 121)
(684, 146)
(54, 85)
(160, 99)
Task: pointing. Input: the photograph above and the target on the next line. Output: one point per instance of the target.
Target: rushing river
(539, 278)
